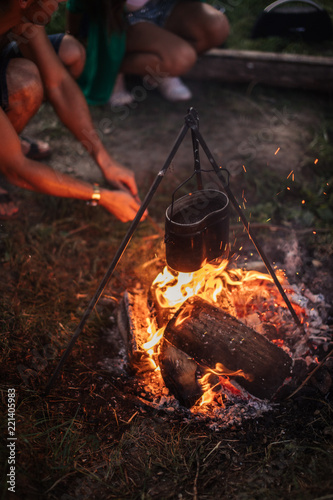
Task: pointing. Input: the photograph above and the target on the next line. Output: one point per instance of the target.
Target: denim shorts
(154, 11)
(10, 52)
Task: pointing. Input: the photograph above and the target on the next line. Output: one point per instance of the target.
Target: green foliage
(57, 24)
(242, 15)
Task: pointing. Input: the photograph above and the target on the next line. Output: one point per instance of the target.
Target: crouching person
(34, 67)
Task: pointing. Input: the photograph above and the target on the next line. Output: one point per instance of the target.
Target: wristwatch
(96, 196)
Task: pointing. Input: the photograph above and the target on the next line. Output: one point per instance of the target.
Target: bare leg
(200, 24)
(73, 55)
(25, 96)
(165, 53)
(154, 50)
(25, 92)
(25, 88)
(192, 28)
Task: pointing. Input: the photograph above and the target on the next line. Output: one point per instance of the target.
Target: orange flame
(221, 371)
(183, 316)
(210, 283)
(173, 288)
(154, 338)
(250, 296)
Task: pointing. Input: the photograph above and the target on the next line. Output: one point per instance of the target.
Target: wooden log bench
(268, 68)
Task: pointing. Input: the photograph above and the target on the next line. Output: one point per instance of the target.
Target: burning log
(211, 336)
(132, 321)
(180, 374)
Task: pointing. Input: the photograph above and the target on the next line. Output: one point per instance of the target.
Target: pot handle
(189, 178)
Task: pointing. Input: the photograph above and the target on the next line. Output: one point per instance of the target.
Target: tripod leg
(116, 259)
(246, 224)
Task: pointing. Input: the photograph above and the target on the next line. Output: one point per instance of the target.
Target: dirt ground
(241, 125)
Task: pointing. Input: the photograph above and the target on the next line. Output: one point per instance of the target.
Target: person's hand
(121, 178)
(120, 203)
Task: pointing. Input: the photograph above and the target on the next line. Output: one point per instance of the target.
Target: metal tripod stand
(191, 123)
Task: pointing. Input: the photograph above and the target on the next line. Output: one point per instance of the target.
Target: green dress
(104, 53)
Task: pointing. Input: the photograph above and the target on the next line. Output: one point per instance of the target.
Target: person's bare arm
(39, 177)
(70, 105)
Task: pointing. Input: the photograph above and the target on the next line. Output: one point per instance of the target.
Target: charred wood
(180, 374)
(210, 336)
(132, 319)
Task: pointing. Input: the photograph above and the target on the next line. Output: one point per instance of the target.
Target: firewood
(180, 374)
(210, 336)
(132, 319)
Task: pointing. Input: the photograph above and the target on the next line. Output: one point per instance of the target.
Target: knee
(181, 61)
(25, 87)
(72, 55)
(218, 30)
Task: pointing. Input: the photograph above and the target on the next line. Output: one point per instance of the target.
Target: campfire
(209, 337)
(219, 341)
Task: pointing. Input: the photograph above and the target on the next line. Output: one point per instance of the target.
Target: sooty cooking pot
(196, 230)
